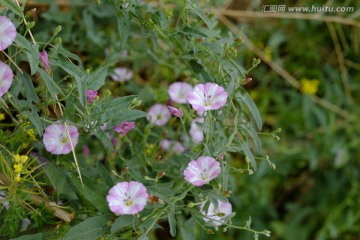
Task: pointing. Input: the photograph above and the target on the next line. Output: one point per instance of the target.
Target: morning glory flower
(90, 95)
(158, 114)
(172, 146)
(196, 133)
(121, 74)
(44, 59)
(202, 170)
(127, 198)
(177, 112)
(208, 96)
(6, 78)
(7, 32)
(178, 91)
(56, 138)
(216, 213)
(124, 127)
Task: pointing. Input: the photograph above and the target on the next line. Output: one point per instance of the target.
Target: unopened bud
(191, 205)
(107, 93)
(58, 41)
(267, 233)
(273, 166)
(30, 12)
(136, 102)
(251, 172)
(147, 178)
(57, 30)
(227, 193)
(209, 231)
(160, 175)
(221, 157)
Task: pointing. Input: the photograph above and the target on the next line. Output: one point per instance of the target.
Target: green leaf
(33, 58)
(96, 79)
(38, 236)
(65, 53)
(29, 88)
(113, 105)
(51, 86)
(193, 32)
(249, 155)
(92, 192)
(127, 115)
(172, 220)
(57, 177)
(12, 6)
(251, 133)
(104, 173)
(90, 229)
(101, 135)
(121, 222)
(201, 15)
(187, 229)
(76, 73)
(70, 108)
(123, 25)
(34, 118)
(23, 42)
(225, 172)
(247, 100)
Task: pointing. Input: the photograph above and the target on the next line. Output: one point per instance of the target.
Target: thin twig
(18, 68)
(26, 23)
(74, 155)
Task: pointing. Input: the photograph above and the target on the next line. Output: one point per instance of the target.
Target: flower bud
(58, 41)
(57, 30)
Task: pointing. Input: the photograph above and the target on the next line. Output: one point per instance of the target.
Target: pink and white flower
(172, 146)
(127, 198)
(7, 32)
(196, 133)
(60, 138)
(216, 213)
(44, 59)
(6, 78)
(124, 127)
(158, 114)
(90, 95)
(208, 96)
(202, 170)
(177, 112)
(121, 74)
(178, 91)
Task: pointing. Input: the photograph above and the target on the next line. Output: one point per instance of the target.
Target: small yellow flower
(21, 159)
(2, 116)
(17, 178)
(308, 86)
(31, 134)
(18, 167)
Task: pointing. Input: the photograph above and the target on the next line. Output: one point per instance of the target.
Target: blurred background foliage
(314, 192)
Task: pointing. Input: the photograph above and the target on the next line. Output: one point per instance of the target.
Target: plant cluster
(120, 118)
